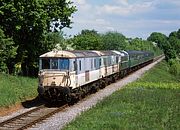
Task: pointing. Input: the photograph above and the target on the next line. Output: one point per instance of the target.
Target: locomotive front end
(55, 78)
(54, 85)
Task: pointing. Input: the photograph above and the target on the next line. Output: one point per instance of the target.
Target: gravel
(59, 120)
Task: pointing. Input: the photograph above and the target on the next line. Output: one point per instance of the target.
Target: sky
(132, 18)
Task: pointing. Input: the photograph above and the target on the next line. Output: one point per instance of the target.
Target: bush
(174, 67)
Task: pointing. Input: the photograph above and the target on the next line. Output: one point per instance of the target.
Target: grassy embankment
(152, 102)
(14, 89)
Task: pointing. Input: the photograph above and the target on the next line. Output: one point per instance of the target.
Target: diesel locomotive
(71, 74)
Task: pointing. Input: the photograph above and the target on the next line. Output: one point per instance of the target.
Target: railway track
(30, 118)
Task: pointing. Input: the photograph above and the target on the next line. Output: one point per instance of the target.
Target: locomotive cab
(56, 76)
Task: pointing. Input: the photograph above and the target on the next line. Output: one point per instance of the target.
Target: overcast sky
(133, 18)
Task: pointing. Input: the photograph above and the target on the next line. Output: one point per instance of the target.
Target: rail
(30, 118)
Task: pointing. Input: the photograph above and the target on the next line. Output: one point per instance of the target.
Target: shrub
(174, 67)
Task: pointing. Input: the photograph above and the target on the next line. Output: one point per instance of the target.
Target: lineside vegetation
(151, 102)
(15, 89)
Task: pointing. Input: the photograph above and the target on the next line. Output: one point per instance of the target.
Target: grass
(14, 89)
(152, 102)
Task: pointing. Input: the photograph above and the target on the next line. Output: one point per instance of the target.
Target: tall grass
(152, 102)
(15, 89)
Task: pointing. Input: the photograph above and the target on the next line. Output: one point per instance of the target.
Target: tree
(139, 44)
(7, 51)
(27, 22)
(56, 40)
(169, 51)
(135, 44)
(175, 43)
(87, 40)
(158, 38)
(113, 41)
(178, 34)
(164, 44)
(174, 40)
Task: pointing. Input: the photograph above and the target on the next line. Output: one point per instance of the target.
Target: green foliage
(170, 45)
(15, 89)
(135, 44)
(51, 39)
(169, 51)
(158, 38)
(144, 104)
(56, 40)
(140, 44)
(174, 67)
(175, 42)
(159, 74)
(7, 51)
(91, 40)
(113, 41)
(27, 22)
(87, 40)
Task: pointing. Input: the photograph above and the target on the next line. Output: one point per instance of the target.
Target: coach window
(80, 65)
(109, 61)
(113, 60)
(75, 65)
(105, 61)
(94, 63)
(100, 62)
(91, 63)
(117, 59)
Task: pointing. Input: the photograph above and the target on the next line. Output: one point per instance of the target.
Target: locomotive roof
(77, 53)
(84, 53)
(69, 54)
(109, 53)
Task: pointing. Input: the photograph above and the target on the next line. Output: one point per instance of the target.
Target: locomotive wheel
(94, 89)
(113, 79)
(68, 98)
(109, 81)
(79, 96)
(102, 84)
(83, 93)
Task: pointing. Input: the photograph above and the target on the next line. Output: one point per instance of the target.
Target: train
(66, 75)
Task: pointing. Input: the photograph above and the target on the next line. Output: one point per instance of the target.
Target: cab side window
(75, 65)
